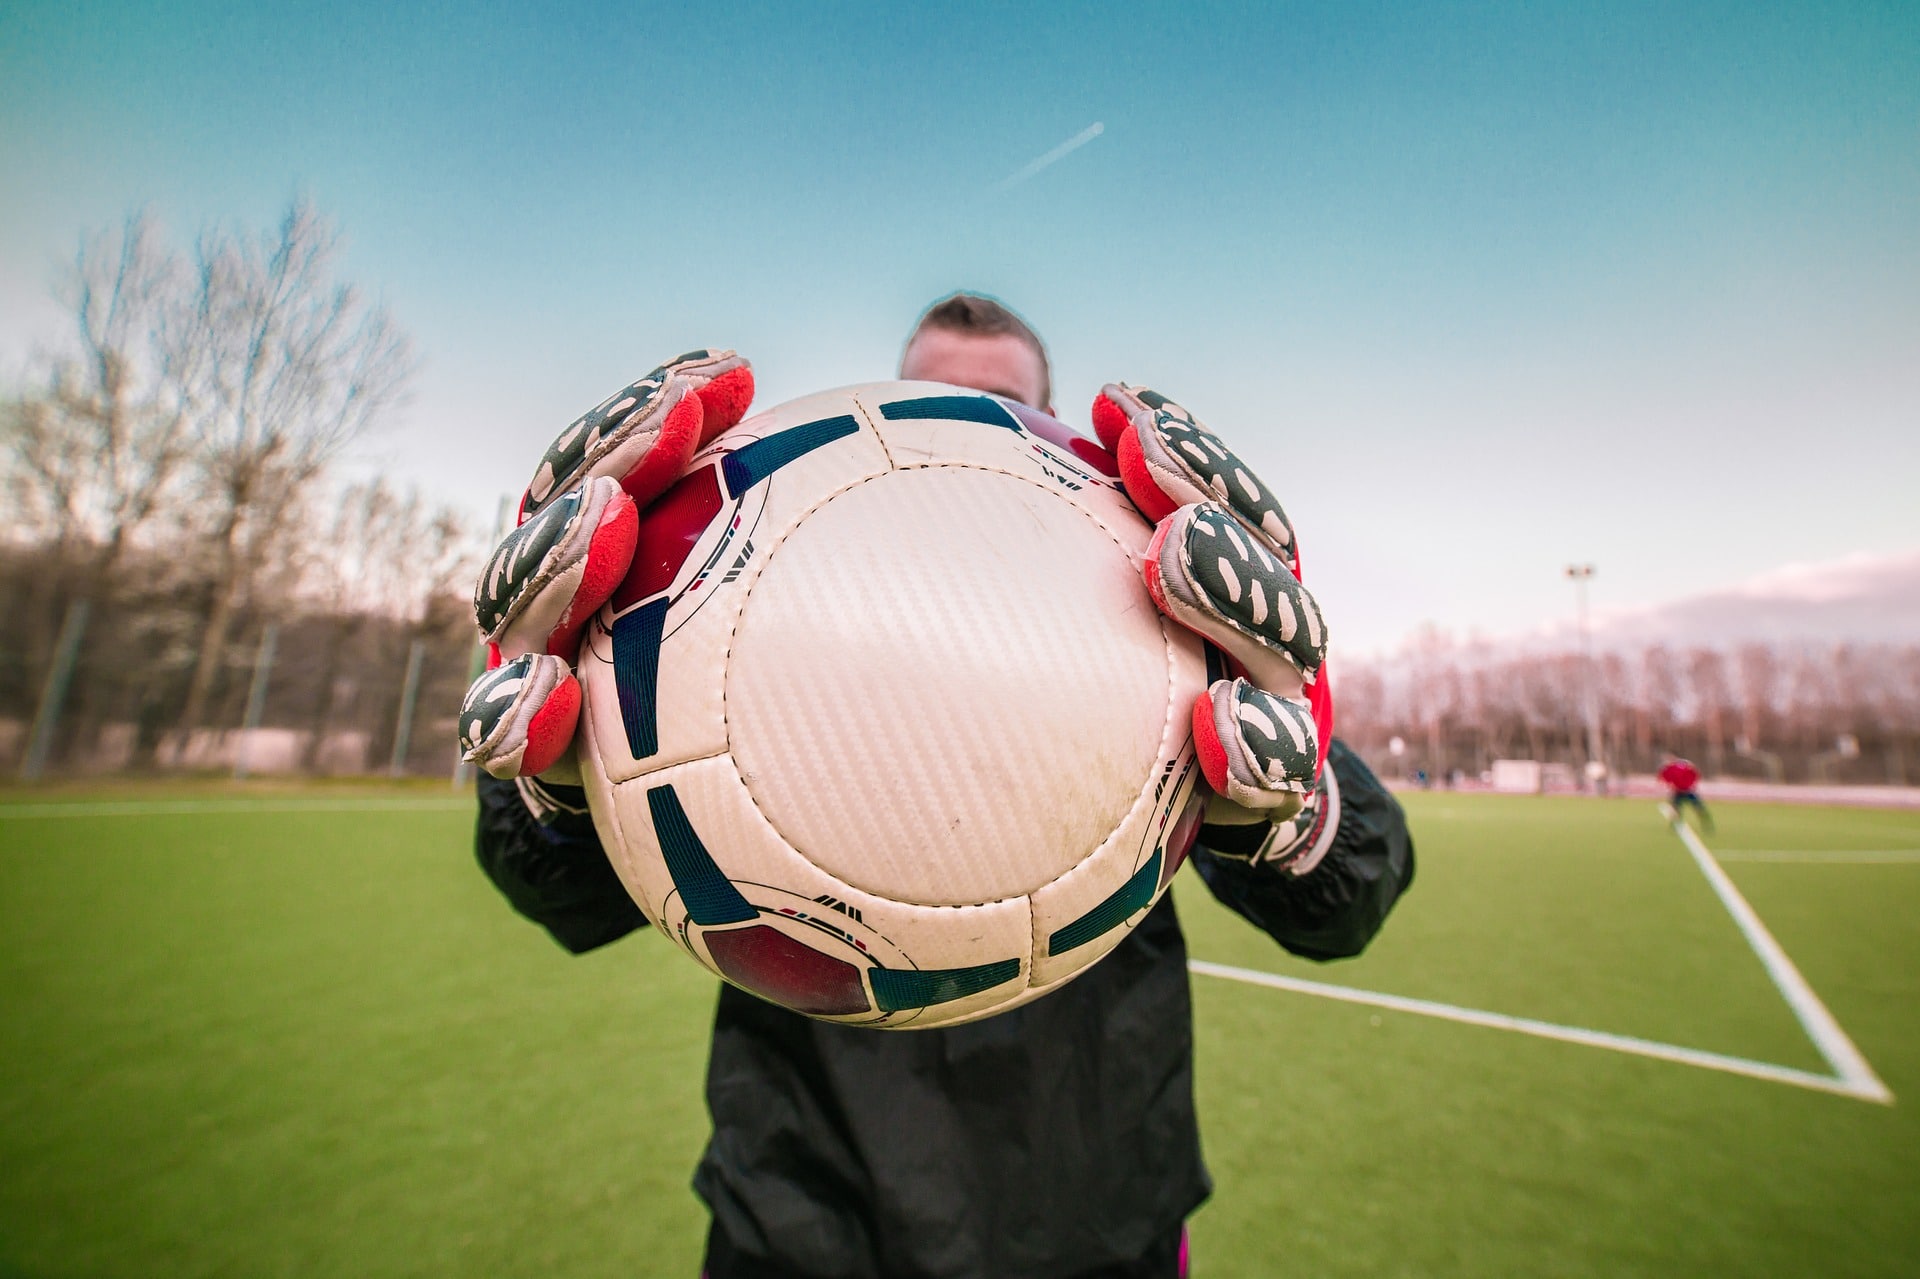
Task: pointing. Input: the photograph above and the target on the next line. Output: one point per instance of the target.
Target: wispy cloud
(1862, 597)
(1054, 156)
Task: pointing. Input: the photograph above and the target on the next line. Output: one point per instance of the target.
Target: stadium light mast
(1581, 574)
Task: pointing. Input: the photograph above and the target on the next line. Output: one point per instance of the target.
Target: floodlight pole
(1581, 574)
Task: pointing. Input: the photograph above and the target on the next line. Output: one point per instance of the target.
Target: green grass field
(298, 1034)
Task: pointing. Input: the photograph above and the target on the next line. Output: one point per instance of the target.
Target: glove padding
(644, 434)
(520, 716)
(551, 573)
(1224, 563)
(579, 523)
(1295, 843)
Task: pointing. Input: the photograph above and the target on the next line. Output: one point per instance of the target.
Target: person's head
(975, 342)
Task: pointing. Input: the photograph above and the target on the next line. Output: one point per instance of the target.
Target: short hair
(985, 317)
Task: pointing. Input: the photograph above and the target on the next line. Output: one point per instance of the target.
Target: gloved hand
(579, 521)
(1224, 563)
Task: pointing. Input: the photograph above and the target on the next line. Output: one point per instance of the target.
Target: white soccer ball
(882, 725)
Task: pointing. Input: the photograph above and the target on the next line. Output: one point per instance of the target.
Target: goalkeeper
(1055, 1141)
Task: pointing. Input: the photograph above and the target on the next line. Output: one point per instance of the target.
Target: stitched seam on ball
(874, 428)
(788, 840)
(1169, 719)
(845, 883)
(621, 850)
(1039, 484)
(746, 593)
(727, 722)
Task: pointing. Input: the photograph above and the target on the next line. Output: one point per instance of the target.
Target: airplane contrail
(1060, 152)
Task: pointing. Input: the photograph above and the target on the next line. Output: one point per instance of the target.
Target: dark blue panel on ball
(636, 674)
(1111, 913)
(898, 988)
(747, 465)
(952, 408)
(710, 896)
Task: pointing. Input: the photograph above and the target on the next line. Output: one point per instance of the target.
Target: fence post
(256, 696)
(53, 694)
(409, 693)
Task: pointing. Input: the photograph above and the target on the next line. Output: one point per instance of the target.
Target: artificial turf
(308, 1039)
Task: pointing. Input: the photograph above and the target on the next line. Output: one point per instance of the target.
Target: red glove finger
(643, 434)
(579, 524)
(519, 718)
(1257, 749)
(554, 572)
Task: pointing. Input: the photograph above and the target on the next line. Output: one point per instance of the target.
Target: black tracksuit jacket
(1055, 1141)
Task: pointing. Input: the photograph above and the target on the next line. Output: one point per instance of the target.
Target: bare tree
(95, 447)
(294, 366)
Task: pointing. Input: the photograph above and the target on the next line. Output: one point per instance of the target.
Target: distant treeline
(1848, 713)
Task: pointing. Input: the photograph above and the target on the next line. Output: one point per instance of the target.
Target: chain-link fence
(103, 676)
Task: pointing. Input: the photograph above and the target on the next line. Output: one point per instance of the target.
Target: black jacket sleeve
(1332, 911)
(555, 874)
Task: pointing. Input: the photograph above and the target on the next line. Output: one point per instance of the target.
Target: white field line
(1550, 1030)
(168, 808)
(1819, 1024)
(1852, 1076)
(1822, 856)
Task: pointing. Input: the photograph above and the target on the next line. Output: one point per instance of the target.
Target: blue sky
(1481, 289)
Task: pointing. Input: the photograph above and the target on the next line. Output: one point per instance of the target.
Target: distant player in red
(1682, 780)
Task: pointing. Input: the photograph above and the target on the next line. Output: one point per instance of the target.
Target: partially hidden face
(998, 363)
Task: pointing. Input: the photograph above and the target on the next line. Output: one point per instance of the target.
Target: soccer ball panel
(933, 424)
(701, 544)
(948, 732)
(727, 889)
(1087, 912)
(605, 810)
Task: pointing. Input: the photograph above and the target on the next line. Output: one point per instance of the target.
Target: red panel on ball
(1185, 831)
(669, 530)
(1058, 433)
(775, 966)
